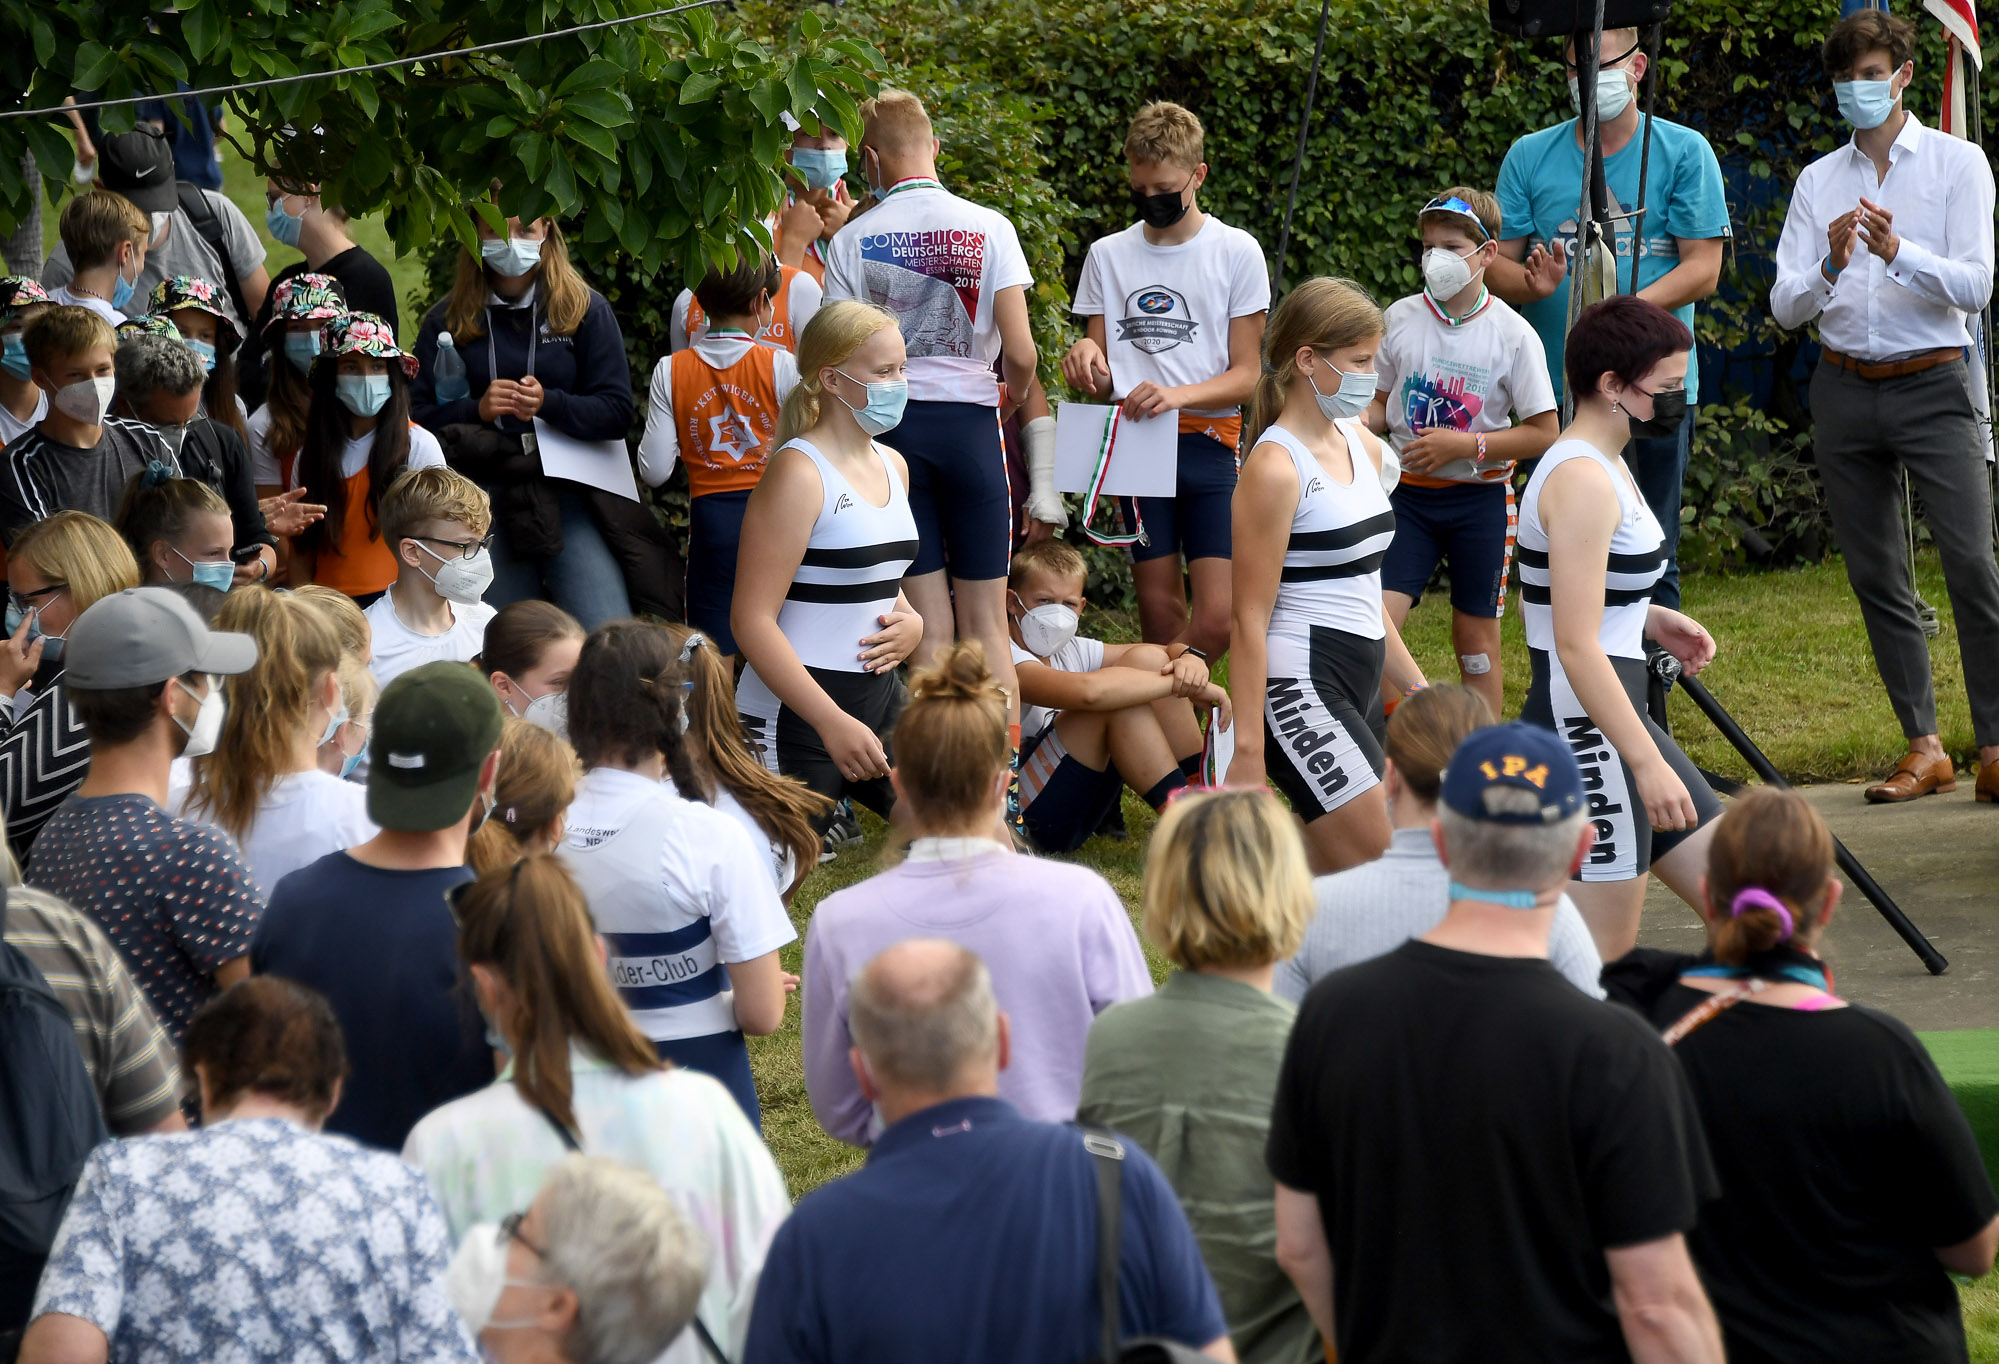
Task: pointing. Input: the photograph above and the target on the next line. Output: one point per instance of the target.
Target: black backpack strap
(1107, 1154)
(207, 225)
(708, 1341)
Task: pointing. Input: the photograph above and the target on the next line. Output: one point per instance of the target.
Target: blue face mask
(219, 574)
(205, 351)
(883, 410)
(333, 724)
(14, 359)
(513, 257)
(122, 290)
(1355, 392)
(822, 167)
(51, 644)
(362, 394)
(301, 348)
(1865, 104)
(348, 764)
(281, 225)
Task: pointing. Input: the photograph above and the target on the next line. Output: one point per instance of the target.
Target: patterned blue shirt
(255, 1240)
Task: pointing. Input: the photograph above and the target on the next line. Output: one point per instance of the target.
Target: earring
(1615, 408)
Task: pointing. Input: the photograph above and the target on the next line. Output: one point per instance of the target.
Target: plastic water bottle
(448, 371)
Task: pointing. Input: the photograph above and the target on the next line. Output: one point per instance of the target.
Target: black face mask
(1160, 211)
(1668, 411)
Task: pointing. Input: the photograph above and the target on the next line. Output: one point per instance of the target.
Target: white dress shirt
(1939, 189)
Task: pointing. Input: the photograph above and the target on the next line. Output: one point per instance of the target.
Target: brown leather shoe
(1988, 783)
(1915, 776)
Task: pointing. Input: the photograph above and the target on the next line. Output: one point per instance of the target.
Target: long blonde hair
(835, 332)
(561, 296)
(1322, 315)
(80, 552)
(269, 706)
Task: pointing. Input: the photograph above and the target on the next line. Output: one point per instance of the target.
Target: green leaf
(598, 140)
(592, 75)
(94, 65)
(202, 26)
(561, 183)
(602, 107)
(700, 87)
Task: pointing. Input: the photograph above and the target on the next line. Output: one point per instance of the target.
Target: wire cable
(356, 70)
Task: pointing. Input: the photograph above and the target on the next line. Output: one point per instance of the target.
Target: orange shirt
(362, 561)
(724, 419)
(1227, 430)
(781, 331)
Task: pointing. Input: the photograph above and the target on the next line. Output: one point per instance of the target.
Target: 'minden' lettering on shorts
(1592, 753)
(1287, 715)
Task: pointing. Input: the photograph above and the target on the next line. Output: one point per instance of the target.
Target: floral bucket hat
(363, 334)
(148, 325)
(18, 292)
(189, 291)
(306, 298)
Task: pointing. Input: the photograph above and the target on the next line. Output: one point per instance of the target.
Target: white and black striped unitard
(1322, 717)
(849, 578)
(1626, 844)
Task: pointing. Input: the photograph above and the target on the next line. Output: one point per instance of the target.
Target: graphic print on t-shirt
(1156, 319)
(1450, 397)
(930, 281)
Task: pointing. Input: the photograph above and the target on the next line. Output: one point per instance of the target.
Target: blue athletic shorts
(714, 530)
(957, 489)
(1061, 800)
(1195, 523)
(1468, 527)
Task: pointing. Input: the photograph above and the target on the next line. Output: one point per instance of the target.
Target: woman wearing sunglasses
(582, 1077)
(1591, 552)
(56, 569)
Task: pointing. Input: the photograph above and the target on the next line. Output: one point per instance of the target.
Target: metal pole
(1298, 160)
(1644, 153)
(1924, 949)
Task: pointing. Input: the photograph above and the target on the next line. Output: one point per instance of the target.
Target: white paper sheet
(1220, 752)
(604, 464)
(1145, 461)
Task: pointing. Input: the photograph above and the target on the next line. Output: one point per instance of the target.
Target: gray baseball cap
(145, 635)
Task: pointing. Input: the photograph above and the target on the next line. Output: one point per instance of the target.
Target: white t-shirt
(1465, 378)
(306, 816)
(679, 892)
(1079, 655)
(12, 426)
(936, 261)
(801, 300)
(1167, 309)
(659, 447)
(63, 297)
(424, 452)
(783, 862)
(264, 471)
(397, 648)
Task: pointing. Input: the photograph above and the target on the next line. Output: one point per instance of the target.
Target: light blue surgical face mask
(1355, 392)
(513, 257)
(281, 225)
(14, 356)
(362, 394)
(1613, 94)
(1865, 104)
(883, 410)
(205, 351)
(822, 167)
(122, 290)
(349, 763)
(301, 348)
(219, 574)
(333, 724)
(52, 645)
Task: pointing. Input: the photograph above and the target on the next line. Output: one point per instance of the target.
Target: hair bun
(959, 673)
(156, 473)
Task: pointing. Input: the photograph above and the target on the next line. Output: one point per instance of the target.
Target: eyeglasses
(510, 1230)
(468, 550)
(24, 602)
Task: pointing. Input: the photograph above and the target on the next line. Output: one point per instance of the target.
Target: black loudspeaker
(1559, 18)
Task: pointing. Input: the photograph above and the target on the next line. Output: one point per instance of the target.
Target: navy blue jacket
(586, 380)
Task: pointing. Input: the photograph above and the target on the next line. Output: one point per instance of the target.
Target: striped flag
(1960, 25)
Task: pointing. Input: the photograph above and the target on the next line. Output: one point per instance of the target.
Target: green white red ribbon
(1109, 447)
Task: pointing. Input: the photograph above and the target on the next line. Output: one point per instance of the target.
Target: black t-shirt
(1845, 1162)
(1478, 1132)
(369, 289)
(381, 947)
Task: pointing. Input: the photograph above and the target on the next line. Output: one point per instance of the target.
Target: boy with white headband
(1456, 368)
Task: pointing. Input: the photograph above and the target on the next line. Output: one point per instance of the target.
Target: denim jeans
(1659, 467)
(583, 580)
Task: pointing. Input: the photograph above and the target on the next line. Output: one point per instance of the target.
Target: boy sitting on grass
(1456, 367)
(440, 524)
(1095, 717)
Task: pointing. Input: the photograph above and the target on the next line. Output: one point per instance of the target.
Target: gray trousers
(1862, 430)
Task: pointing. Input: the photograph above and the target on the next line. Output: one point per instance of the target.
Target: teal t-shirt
(1540, 188)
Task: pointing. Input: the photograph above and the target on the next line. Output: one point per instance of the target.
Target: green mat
(1969, 1060)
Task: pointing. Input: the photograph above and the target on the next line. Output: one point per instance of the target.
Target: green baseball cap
(434, 728)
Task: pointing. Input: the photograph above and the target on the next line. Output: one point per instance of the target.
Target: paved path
(1939, 858)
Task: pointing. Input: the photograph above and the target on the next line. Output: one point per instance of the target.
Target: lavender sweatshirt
(1055, 937)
